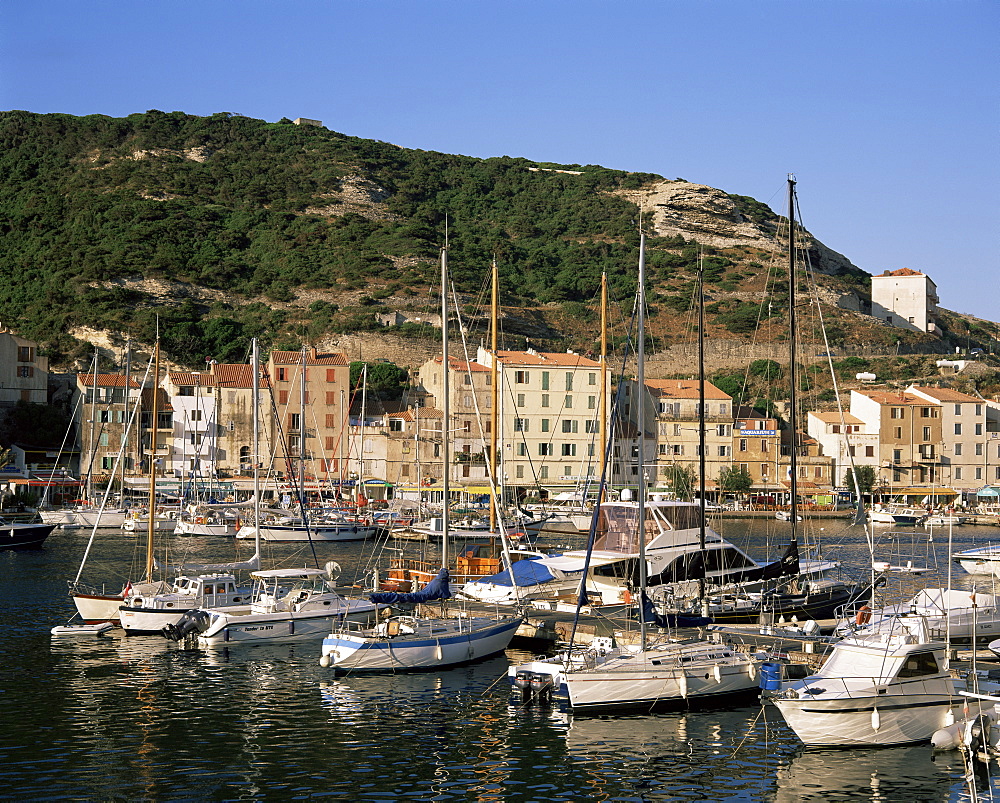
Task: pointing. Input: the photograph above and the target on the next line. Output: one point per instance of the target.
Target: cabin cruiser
(980, 560)
(674, 556)
(148, 613)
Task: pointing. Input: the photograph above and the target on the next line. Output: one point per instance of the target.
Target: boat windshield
(617, 525)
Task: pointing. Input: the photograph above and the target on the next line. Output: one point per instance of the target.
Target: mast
(604, 384)
(255, 404)
(494, 395)
(641, 491)
(302, 438)
(793, 356)
(154, 420)
(446, 406)
(702, 467)
(93, 424)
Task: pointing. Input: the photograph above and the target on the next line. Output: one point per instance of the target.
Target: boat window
(726, 558)
(919, 664)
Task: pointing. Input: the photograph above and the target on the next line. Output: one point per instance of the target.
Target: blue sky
(885, 110)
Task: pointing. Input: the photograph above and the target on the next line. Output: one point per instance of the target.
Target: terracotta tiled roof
(550, 359)
(895, 399)
(106, 381)
(191, 378)
(836, 418)
(903, 272)
(946, 395)
(313, 357)
(236, 375)
(684, 389)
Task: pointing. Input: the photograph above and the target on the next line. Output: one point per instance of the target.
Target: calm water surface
(139, 719)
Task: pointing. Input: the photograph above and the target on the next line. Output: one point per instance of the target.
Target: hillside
(226, 227)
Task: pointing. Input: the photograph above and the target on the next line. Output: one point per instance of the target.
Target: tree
(865, 476)
(735, 480)
(680, 480)
(385, 380)
(34, 424)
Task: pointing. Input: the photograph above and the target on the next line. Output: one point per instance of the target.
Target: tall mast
(702, 467)
(604, 382)
(302, 437)
(641, 379)
(255, 404)
(93, 425)
(154, 420)
(494, 395)
(793, 357)
(446, 407)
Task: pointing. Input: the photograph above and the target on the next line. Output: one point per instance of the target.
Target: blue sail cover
(527, 572)
(437, 588)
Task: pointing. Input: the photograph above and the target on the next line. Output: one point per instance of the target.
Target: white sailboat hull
(626, 678)
(243, 625)
(318, 532)
(97, 608)
(434, 644)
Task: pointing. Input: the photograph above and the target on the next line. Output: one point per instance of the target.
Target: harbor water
(116, 718)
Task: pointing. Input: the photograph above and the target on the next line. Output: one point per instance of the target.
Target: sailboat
(664, 670)
(149, 607)
(400, 643)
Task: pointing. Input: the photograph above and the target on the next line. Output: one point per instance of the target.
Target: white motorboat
(85, 516)
(287, 605)
(944, 520)
(980, 560)
(215, 522)
(886, 687)
(148, 613)
(895, 514)
(949, 613)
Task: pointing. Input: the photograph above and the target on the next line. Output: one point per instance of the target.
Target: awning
(989, 490)
(41, 483)
(922, 491)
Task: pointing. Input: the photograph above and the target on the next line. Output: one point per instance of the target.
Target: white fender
(324, 660)
(876, 720)
(437, 652)
(717, 672)
(682, 683)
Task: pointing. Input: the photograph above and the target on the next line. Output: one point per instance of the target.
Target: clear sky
(885, 110)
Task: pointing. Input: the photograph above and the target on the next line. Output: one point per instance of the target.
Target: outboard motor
(191, 623)
(535, 687)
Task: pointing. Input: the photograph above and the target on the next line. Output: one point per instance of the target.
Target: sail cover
(437, 588)
(527, 572)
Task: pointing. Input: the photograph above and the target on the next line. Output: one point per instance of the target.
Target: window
(543, 472)
(545, 425)
(958, 473)
(466, 379)
(592, 402)
(521, 377)
(185, 390)
(723, 431)
(107, 462)
(104, 416)
(520, 400)
(282, 373)
(958, 429)
(869, 451)
(395, 425)
(196, 439)
(568, 403)
(724, 409)
(520, 425)
(764, 446)
(293, 421)
(545, 399)
(25, 371)
(724, 451)
(591, 378)
(896, 412)
(331, 421)
(545, 380)
(928, 412)
(569, 450)
(979, 429)
(544, 449)
(958, 409)
(519, 471)
(919, 664)
(979, 473)
(662, 449)
(897, 455)
(569, 380)
(677, 430)
(467, 401)
(958, 450)
(979, 450)
(522, 449)
(926, 434)
(195, 415)
(897, 433)
(743, 444)
(850, 450)
(590, 426)
(104, 439)
(282, 397)
(25, 354)
(569, 425)
(404, 470)
(764, 469)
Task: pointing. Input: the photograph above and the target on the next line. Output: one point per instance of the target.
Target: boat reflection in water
(911, 773)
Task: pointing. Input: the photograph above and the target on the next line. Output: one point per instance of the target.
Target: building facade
(906, 299)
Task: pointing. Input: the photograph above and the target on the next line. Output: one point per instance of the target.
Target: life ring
(864, 615)
(199, 520)
(426, 481)
(627, 597)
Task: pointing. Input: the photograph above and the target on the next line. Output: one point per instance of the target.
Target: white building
(964, 443)
(906, 299)
(846, 440)
(196, 424)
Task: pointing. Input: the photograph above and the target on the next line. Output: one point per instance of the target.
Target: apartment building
(964, 448)
(194, 440)
(672, 418)
(101, 420)
(24, 373)
(549, 414)
(845, 440)
(905, 298)
(312, 396)
(757, 447)
(909, 434)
